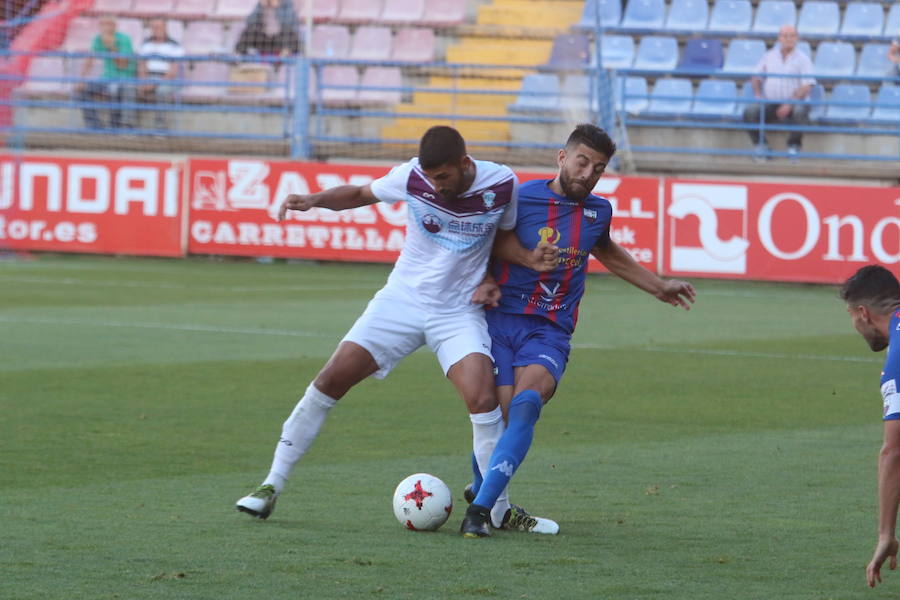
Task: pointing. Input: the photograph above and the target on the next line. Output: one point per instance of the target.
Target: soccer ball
(422, 502)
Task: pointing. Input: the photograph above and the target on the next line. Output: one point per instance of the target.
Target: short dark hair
(441, 145)
(593, 137)
(873, 286)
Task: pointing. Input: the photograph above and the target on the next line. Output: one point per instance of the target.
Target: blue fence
(309, 107)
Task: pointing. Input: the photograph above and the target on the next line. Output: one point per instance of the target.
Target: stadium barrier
(721, 229)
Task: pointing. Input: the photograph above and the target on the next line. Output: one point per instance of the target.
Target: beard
(877, 341)
(574, 189)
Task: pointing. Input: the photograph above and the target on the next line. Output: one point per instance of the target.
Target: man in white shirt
(155, 50)
(780, 91)
(433, 295)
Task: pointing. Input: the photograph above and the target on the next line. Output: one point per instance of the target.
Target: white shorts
(393, 327)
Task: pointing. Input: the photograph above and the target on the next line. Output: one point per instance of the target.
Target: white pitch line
(301, 333)
(166, 326)
(738, 353)
(180, 286)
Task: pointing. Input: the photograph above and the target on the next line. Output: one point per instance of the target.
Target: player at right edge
(872, 295)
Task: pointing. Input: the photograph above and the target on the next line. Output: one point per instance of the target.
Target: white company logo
(707, 202)
(505, 468)
(550, 294)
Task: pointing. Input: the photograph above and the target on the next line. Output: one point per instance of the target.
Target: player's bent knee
(482, 404)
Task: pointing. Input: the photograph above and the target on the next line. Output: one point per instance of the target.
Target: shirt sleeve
(124, 45)
(806, 69)
(391, 188)
(761, 64)
(97, 45)
(508, 220)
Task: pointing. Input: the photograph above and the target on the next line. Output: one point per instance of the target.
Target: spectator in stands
(272, 28)
(116, 83)
(783, 59)
(894, 57)
(156, 49)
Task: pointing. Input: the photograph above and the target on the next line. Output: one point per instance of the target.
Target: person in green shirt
(116, 83)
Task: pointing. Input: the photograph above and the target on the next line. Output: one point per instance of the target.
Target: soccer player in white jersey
(455, 206)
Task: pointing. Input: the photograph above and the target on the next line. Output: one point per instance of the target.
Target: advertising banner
(234, 203)
(779, 231)
(91, 205)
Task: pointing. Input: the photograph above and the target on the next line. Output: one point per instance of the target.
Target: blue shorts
(519, 340)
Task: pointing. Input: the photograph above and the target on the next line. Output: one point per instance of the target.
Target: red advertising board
(778, 231)
(233, 205)
(91, 205)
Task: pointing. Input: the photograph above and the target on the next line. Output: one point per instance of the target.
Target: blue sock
(477, 479)
(524, 411)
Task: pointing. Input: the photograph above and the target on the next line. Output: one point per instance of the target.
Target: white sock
(298, 434)
(500, 508)
(486, 431)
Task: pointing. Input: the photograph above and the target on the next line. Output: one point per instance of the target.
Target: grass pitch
(728, 452)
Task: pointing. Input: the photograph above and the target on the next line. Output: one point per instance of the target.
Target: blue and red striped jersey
(890, 376)
(575, 227)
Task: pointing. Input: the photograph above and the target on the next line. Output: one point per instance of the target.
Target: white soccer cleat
(260, 503)
(518, 519)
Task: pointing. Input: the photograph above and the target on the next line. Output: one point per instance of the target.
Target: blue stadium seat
(715, 98)
(886, 108)
(742, 55)
(671, 97)
(892, 23)
(836, 59)
(849, 102)
(632, 94)
(873, 61)
(701, 55)
(863, 19)
(771, 15)
(819, 19)
(609, 12)
(644, 15)
(688, 15)
(731, 16)
(656, 53)
(576, 92)
(817, 102)
(540, 92)
(744, 97)
(570, 51)
(617, 51)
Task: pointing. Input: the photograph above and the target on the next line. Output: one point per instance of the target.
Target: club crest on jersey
(590, 214)
(488, 199)
(549, 235)
(432, 223)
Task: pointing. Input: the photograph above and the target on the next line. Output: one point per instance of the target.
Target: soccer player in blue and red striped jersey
(872, 295)
(535, 317)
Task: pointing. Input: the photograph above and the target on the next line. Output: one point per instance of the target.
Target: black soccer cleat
(469, 494)
(477, 522)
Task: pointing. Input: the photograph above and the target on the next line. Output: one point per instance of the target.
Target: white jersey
(447, 243)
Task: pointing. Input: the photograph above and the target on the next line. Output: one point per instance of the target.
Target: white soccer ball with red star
(422, 502)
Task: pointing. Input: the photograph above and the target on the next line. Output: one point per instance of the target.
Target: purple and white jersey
(447, 243)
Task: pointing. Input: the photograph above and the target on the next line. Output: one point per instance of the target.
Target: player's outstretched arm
(622, 264)
(544, 257)
(888, 502)
(341, 197)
